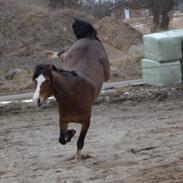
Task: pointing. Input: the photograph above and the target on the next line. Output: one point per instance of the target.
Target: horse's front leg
(63, 130)
(80, 142)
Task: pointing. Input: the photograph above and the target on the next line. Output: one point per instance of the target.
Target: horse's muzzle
(38, 102)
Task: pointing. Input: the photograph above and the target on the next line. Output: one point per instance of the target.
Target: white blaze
(36, 96)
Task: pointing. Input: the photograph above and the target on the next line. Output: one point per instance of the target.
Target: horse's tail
(83, 29)
(51, 54)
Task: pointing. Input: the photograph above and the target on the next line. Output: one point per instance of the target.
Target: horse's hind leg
(80, 142)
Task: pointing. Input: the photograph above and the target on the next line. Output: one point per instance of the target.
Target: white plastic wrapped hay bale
(161, 74)
(162, 47)
(178, 33)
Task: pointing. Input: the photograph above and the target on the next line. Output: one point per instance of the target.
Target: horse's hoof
(77, 159)
(78, 155)
(70, 134)
(62, 141)
(60, 52)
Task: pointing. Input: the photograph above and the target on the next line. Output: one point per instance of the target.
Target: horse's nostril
(39, 102)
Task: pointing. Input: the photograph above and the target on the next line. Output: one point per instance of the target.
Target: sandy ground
(128, 142)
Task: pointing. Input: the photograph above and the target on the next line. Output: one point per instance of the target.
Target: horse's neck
(62, 86)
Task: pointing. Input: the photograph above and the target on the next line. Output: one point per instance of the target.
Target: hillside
(26, 31)
(28, 28)
(119, 34)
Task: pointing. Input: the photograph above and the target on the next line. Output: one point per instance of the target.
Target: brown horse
(75, 88)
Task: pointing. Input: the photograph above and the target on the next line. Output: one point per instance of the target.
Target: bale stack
(163, 55)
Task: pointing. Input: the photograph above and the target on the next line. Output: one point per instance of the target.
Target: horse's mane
(45, 68)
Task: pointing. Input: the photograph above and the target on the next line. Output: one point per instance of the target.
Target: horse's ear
(51, 67)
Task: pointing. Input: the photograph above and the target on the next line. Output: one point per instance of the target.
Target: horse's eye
(47, 81)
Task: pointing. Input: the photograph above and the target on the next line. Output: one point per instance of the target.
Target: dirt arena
(128, 142)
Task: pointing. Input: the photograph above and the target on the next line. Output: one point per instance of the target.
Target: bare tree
(160, 10)
(64, 3)
(99, 8)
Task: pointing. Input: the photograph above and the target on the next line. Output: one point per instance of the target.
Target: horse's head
(42, 79)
